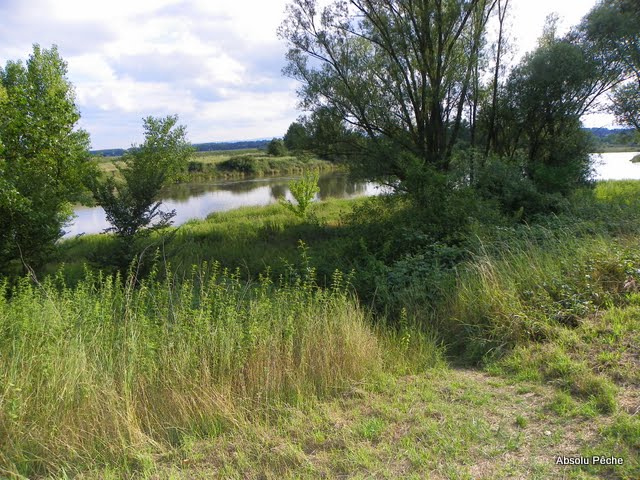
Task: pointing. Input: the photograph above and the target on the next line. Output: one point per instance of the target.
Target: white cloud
(529, 17)
(217, 64)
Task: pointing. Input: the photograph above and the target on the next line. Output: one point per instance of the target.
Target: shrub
(276, 148)
(515, 194)
(303, 191)
(242, 163)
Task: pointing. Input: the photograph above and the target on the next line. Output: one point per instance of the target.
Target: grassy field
(262, 361)
(237, 164)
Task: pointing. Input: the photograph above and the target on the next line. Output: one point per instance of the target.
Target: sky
(215, 63)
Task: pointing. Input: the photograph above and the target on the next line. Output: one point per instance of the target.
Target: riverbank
(492, 357)
(237, 164)
(617, 148)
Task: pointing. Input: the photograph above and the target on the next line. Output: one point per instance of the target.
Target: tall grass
(532, 288)
(118, 368)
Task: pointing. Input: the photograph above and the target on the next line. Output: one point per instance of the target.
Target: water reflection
(197, 200)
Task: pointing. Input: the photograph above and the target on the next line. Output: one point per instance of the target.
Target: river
(197, 200)
(616, 166)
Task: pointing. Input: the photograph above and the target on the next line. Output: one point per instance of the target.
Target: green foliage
(626, 105)
(246, 164)
(612, 29)
(503, 182)
(131, 204)
(384, 71)
(43, 156)
(297, 137)
(328, 137)
(526, 290)
(255, 165)
(96, 374)
(540, 112)
(276, 148)
(303, 191)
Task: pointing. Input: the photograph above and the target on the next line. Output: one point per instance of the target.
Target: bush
(243, 163)
(276, 148)
(516, 195)
(304, 191)
(195, 167)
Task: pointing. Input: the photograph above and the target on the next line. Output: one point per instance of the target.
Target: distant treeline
(615, 136)
(200, 147)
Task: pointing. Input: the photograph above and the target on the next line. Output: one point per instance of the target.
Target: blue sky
(215, 63)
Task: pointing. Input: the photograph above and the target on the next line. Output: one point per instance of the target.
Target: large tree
(545, 96)
(43, 156)
(396, 72)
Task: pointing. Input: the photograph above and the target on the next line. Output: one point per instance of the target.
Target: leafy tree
(396, 73)
(612, 28)
(44, 158)
(542, 103)
(626, 105)
(131, 203)
(296, 138)
(276, 148)
(328, 136)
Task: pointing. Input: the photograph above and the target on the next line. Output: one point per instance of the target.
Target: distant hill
(214, 146)
(605, 132)
(200, 147)
(616, 137)
(111, 152)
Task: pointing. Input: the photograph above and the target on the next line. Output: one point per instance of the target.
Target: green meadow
(255, 344)
(477, 317)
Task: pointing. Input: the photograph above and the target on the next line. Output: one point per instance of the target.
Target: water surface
(197, 200)
(616, 166)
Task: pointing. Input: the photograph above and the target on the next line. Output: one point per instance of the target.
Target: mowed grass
(439, 423)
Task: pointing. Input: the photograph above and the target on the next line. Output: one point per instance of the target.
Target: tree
(396, 72)
(297, 138)
(612, 27)
(276, 148)
(503, 7)
(131, 203)
(329, 138)
(542, 103)
(44, 158)
(626, 104)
